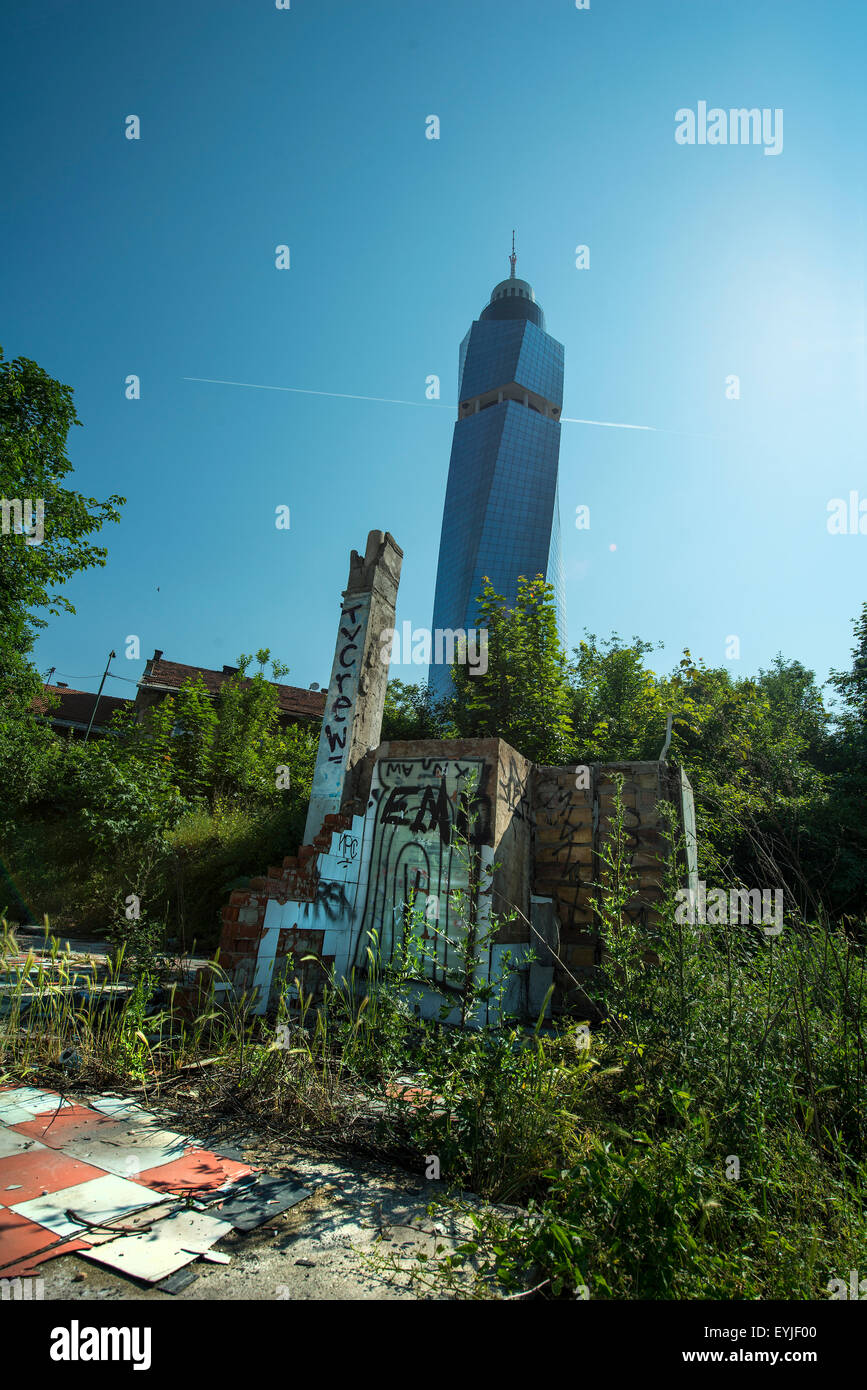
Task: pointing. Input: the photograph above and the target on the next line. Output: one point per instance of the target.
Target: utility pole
(98, 693)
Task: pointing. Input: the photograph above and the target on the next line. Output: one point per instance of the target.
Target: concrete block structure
(484, 853)
(465, 833)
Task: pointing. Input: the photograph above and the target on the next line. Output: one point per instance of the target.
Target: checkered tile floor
(81, 1177)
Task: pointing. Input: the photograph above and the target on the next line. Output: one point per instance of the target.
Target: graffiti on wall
(514, 789)
(430, 815)
(565, 822)
(572, 822)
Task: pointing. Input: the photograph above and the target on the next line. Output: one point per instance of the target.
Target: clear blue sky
(307, 127)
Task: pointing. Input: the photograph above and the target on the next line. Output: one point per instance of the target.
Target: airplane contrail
(302, 391)
(606, 424)
(654, 429)
(441, 405)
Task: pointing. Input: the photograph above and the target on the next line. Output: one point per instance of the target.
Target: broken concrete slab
(116, 1106)
(14, 1115)
(178, 1281)
(257, 1204)
(61, 1126)
(170, 1244)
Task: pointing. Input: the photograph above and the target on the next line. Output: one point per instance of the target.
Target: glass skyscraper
(502, 511)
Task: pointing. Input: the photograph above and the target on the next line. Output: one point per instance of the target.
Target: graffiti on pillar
(344, 682)
(335, 739)
(430, 815)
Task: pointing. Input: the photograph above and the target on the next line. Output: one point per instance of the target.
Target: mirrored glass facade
(501, 516)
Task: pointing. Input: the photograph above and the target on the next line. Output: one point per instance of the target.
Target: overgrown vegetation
(706, 1139)
(165, 816)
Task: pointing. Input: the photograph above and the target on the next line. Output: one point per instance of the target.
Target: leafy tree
(619, 707)
(851, 718)
(36, 415)
(844, 823)
(523, 697)
(207, 749)
(247, 738)
(194, 731)
(412, 712)
(796, 705)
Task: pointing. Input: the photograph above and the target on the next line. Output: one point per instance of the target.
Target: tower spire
(513, 258)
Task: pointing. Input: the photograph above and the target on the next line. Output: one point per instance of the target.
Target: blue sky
(306, 127)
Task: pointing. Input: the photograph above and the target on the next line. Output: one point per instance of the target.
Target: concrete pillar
(352, 722)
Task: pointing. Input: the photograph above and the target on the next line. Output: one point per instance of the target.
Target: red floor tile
(41, 1170)
(23, 1242)
(199, 1171)
(59, 1127)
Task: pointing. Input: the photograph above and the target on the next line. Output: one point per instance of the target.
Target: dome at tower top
(514, 299)
(511, 287)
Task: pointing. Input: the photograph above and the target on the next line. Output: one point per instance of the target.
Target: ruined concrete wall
(533, 836)
(421, 808)
(446, 817)
(512, 843)
(563, 872)
(368, 863)
(428, 797)
(286, 914)
(573, 822)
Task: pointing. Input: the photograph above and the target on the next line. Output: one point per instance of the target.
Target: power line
(127, 679)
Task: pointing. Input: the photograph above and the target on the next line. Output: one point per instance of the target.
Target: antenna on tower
(513, 258)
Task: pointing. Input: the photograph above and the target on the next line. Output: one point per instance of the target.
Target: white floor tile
(98, 1200)
(169, 1245)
